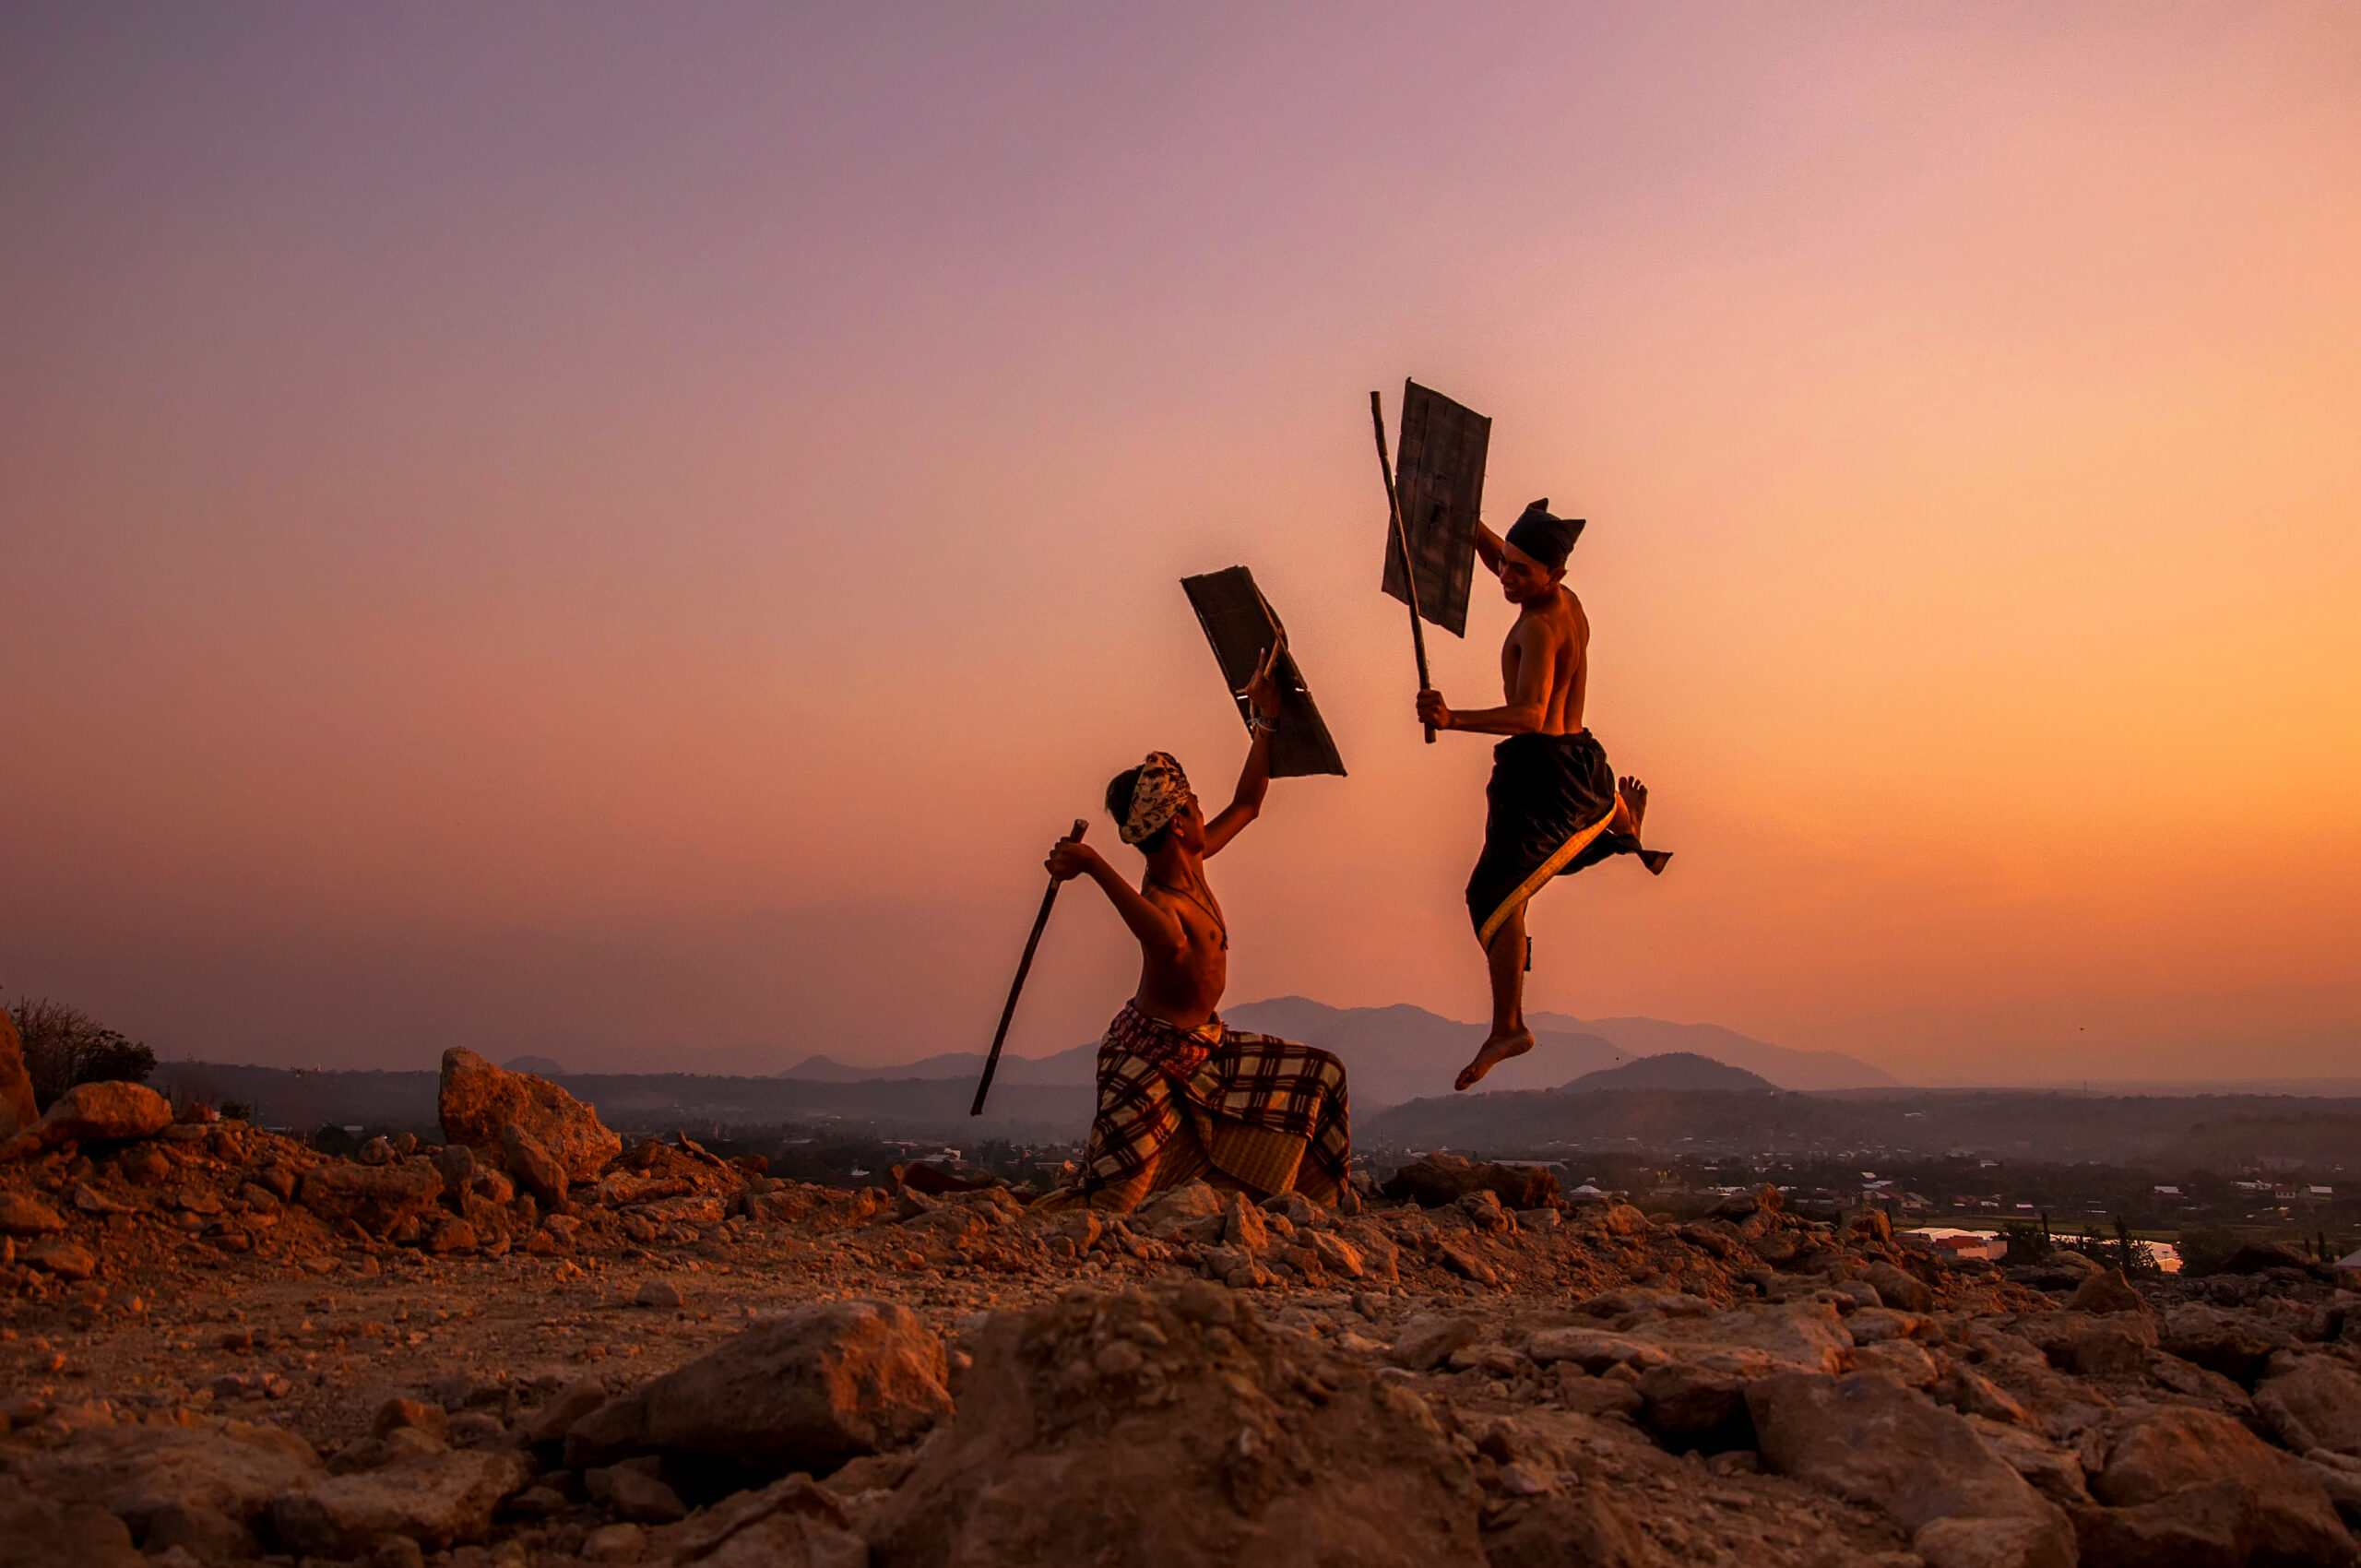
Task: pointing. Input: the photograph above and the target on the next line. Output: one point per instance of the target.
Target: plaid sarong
(1243, 1111)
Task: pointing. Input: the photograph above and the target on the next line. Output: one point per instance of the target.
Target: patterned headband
(1157, 798)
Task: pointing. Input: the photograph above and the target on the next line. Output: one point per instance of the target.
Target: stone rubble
(218, 1345)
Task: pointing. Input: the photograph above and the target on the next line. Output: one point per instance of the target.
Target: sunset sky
(622, 532)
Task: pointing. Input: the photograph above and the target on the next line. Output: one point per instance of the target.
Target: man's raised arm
(1254, 778)
(1488, 549)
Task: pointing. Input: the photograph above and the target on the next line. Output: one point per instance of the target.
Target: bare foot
(1494, 1050)
(1635, 801)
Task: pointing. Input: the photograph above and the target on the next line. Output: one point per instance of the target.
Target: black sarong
(1548, 804)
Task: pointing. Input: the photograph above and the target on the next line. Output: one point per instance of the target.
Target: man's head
(1534, 562)
(1154, 807)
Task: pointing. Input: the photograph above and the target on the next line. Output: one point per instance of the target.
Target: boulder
(2316, 1403)
(1872, 1441)
(202, 1487)
(374, 1197)
(478, 1102)
(1427, 1339)
(2256, 1256)
(1588, 1529)
(38, 1532)
(2233, 1344)
(1898, 1288)
(2192, 1474)
(17, 1110)
(93, 1113)
(1175, 1429)
(1436, 1180)
(2111, 1345)
(2106, 1291)
(789, 1524)
(1688, 1404)
(67, 1260)
(804, 1391)
(434, 1499)
(530, 1162)
(21, 1214)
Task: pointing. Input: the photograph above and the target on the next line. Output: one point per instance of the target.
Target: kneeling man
(1182, 1096)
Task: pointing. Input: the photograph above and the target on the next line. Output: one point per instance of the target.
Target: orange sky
(623, 535)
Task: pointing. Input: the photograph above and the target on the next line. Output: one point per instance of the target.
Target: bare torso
(1556, 635)
(1185, 989)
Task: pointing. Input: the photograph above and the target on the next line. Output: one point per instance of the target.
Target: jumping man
(1553, 806)
(1182, 1096)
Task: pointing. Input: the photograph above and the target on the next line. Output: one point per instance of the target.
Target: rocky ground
(531, 1345)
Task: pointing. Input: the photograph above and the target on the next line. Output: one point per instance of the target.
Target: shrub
(65, 1046)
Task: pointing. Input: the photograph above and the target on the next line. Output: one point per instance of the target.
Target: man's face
(1524, 580)
(1189, 825)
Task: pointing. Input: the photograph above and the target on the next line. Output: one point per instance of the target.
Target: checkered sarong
(1241, 1110)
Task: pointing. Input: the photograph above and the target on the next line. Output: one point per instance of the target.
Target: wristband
(1257, 724)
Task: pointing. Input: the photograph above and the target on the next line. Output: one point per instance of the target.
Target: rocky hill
(535, 1345)
(1673, 1070)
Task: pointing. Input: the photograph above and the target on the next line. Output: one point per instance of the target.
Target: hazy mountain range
(1399, 1053)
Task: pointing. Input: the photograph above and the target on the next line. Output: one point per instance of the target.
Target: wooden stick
(1024, 966)
(1401, 543)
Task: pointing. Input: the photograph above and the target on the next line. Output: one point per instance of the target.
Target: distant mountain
(1068, 1068)
(1673, 1070)
(1787, 1069)
(1398, 1054)
(539, 1066)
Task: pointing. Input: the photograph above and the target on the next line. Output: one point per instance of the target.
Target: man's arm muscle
(1527, 709)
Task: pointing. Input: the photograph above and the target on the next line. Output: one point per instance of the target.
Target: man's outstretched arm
(1528, 706)
(1158, 930)
(1254, 778)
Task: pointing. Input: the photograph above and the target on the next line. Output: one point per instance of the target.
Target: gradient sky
(622, 532)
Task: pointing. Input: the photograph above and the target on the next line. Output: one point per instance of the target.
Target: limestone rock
(530, 1162)
(194, 1484)
(478, 1102)
(18, 1110)
(2315, 1404)
(2185, 1472)
(804, 1391)
(1436, 1180)
(1427, 1339)
(631, 1490)
(1586, 1530)
(2106, 1291)
(1872, 1441)
(1897, 1289)
(433, 1499)
(1175, 1429)
(790, 1524)
(1692, 1405)
(24, 1215)
(2233, 1344)
(376, 1197)
(91, 1114)
(67, 1260)
(40, 1531)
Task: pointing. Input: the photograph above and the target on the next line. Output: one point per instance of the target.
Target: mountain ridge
(1402, 1051)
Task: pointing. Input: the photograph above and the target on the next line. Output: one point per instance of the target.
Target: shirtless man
(1554, 805)
(1182, 1096)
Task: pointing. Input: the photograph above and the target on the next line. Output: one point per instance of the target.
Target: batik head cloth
(1547, 538)
(1157, 798)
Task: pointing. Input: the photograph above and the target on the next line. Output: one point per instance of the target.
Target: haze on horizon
(622, 533)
